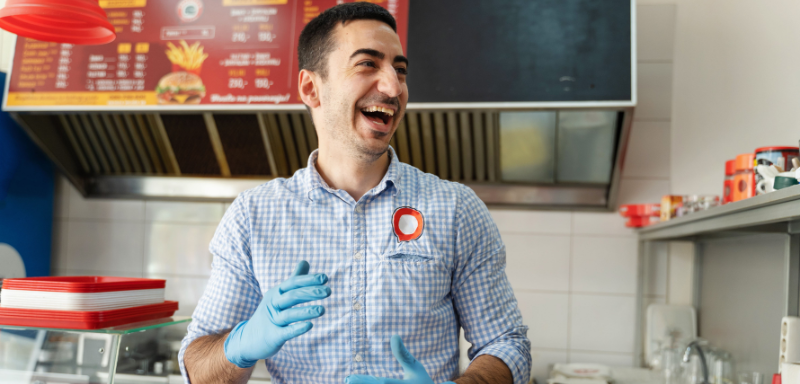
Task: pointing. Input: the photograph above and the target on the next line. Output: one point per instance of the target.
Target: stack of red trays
(640, 215)
(82, 302)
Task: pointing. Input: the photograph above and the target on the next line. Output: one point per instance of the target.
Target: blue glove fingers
(292, 315)
(302, 268)
(299, 296)
(294, 330)
(406, 359)
(295, 282)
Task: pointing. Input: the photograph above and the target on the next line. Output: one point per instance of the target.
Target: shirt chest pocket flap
(405, 257)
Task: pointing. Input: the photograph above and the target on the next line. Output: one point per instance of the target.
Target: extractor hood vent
(214, 156)
(460, 146)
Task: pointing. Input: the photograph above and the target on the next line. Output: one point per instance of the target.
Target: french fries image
(188, 57)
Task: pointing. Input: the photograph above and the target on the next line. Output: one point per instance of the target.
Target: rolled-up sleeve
(484, 300)
(232, 293)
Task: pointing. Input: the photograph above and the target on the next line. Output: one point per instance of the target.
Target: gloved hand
(275, 321)
(413, 371)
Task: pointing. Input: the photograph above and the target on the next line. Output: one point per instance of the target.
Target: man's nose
(389, 83)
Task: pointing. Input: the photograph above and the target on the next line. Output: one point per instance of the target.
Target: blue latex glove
(275, 321)
(413, 371)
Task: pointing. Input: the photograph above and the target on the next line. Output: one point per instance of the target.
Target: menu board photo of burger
(180, 88)
(183, 85)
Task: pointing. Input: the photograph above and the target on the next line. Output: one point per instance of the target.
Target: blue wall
(26, 196)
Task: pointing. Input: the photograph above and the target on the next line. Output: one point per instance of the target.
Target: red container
(727, 191)
(744, 180)
(85, 320)
(641, 221)
(82, 284)
(632, 210)
(777, 156)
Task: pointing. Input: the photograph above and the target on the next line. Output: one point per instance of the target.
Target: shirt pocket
(414, 283)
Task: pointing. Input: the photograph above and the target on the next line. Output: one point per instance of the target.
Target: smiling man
(401, 259)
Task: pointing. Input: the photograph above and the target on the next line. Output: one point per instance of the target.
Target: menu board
(176, 54)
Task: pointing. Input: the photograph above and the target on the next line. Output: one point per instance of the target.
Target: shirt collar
(313, 180)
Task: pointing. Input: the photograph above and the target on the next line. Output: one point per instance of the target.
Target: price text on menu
(176, 54)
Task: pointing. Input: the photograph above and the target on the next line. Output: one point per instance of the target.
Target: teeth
(379, 109)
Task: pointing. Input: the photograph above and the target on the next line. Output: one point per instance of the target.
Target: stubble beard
(338, 129)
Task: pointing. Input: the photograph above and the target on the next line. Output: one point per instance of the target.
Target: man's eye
(367, 64)
(402, 71)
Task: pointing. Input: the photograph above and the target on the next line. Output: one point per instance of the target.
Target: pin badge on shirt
(408, 223)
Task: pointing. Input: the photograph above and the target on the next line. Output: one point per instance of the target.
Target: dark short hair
(316, 40)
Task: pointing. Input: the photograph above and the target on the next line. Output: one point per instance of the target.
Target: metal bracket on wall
(697, 279)
(792, 278)
(793, 227)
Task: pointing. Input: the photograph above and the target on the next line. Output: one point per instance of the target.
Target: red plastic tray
(85, 320)
(82, 284)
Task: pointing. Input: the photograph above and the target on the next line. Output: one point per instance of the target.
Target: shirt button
(358, 357)
(359, 209)
(357, 306)
(358, 256)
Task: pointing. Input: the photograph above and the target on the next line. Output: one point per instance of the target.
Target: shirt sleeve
(485, 303)
(232, 294)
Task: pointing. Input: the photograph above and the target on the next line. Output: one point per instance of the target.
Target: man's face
(364, 96)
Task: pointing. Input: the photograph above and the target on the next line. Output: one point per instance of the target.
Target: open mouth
(378, 115)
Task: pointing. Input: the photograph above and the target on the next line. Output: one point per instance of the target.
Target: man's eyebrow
(378, 54)
(401, 59)
(368, 51)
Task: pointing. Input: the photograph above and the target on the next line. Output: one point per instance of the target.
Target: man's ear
(307, 84)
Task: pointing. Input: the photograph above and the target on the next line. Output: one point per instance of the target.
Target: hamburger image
(180, 88)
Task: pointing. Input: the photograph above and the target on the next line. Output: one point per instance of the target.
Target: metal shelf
(775, 212)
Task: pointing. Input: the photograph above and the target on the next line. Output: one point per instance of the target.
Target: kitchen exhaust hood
(571, 159)
(529, 103)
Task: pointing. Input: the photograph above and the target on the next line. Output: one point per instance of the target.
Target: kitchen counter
(636, 376)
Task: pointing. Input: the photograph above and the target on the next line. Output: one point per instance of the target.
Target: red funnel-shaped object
(60, 21)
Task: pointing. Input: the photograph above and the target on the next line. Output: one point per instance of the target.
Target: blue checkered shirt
(451, 276)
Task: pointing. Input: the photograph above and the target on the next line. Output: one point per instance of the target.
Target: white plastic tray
(66, 301)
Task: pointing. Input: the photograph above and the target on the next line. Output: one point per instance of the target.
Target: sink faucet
(696, 346)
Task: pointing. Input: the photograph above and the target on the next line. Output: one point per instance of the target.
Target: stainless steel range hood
(215, 156)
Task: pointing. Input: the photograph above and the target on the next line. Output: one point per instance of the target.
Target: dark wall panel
(519, 50)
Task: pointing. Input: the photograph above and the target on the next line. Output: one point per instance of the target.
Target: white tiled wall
(135, 238)
(575, 280)
(574, 273)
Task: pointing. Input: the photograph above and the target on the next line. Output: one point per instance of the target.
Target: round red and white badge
(408, 224)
